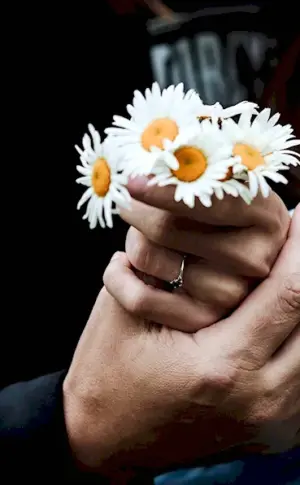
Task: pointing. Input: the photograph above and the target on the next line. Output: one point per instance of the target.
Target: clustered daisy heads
(264, 149)
(154, 117)
(204, 151)
(216, 112)
(101, 174)
(196, 163)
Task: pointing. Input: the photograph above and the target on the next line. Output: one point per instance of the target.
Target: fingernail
(137, 185)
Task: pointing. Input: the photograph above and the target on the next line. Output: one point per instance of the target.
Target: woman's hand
(229, 247)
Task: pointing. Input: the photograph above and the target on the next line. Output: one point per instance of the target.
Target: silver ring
(178, 282)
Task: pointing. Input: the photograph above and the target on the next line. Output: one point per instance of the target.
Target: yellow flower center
(158, 131)
(192, 164)
(251, 157)
(101, 177)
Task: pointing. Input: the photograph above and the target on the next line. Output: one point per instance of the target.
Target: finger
(109, 312)
(284, 367)
(152, 259)
(294, 245)
(243, 251)
(200, 280)
(271, 313)
(177, 311)
(227, 212)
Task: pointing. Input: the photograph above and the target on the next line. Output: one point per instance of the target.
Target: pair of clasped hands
(210, 372)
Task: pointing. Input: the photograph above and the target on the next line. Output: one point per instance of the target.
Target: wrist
(79, 427)
(93, 443)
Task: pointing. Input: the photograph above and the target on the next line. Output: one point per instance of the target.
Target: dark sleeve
(33, 437)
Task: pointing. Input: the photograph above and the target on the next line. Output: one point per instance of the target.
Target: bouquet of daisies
(173, 138)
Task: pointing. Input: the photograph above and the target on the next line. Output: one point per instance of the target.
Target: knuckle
(233, 292)
(262, 271)
(266, 242)
(268, 407)
(259, 259)
(289, 295)
(137, 303)
(241, 290)
(208, 315)
(219, 378)
(108, 275)
(111, 273)
(263, 265)
(138, 250)
(278, 217)
(161, 229)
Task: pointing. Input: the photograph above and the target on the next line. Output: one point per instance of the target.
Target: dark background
(66, 67)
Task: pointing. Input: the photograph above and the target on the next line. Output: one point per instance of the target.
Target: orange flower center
(251, 157)
(158, 131)
(192, 164)
(101, 177)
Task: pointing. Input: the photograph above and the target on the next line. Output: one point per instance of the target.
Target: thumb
(268, 316)
(285, 264)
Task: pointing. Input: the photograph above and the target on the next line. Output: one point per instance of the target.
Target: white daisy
(154, 117)
(217, 113)
(201, 160)
(234, 188)
(263, 147)
(100, 172)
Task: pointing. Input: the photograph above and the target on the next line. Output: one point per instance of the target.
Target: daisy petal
(107, 212)
(87, 194)
(253, 184)
(100, 213)
(84, 181)
(264, 186)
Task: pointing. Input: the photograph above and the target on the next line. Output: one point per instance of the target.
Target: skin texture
(230, 248)
(141, 398)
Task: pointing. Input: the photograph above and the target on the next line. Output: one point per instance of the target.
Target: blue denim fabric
(267, 470)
